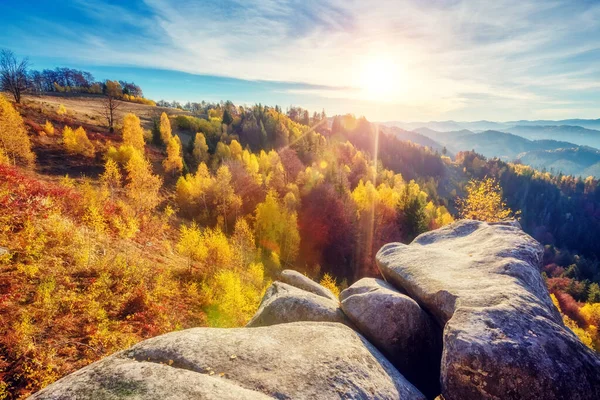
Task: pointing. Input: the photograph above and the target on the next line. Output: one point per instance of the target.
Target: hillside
(552, 155)
(574, 134)
(415, 137)
(108, 233)
(579, 161)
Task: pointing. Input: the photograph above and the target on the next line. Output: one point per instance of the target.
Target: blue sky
(388, 60)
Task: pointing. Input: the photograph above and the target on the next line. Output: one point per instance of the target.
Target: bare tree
(111, 102)
(13, 74)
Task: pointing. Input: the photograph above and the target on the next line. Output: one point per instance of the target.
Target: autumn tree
(484, 201)
(111, 103)
(76, 141)
(277, 228)
(111, 179)
(142, 186)
(13, 74)
(14, 142)
(200, 151)
(174, 161)
(133, 134)
(165, 128)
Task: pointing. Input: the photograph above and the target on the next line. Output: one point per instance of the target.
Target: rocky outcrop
(399, 327)
(300, 281)
(503, 338)
(304, 360)
(284, 303)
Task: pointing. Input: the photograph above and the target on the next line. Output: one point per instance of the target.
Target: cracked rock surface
(304, 360)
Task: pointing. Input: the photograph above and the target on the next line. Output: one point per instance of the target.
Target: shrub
(77, 142)
(49, 128)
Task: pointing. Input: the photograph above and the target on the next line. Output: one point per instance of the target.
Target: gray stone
(399, 327)
(304, 360)
(503, 338)
(300, 281)
(283, 303)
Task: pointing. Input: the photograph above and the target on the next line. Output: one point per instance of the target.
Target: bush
(77, 142)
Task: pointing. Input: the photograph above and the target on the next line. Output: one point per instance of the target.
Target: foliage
(165, 128)
(77, 142)
(14, 142)
(174, 161)
(62, 110)
(484, 202)
(142, 186)
(49, 128)
(133, 134)
(330, 283)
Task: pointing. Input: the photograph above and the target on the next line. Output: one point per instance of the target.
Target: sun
(380, 78)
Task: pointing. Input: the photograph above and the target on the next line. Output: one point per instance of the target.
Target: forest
(192, 213)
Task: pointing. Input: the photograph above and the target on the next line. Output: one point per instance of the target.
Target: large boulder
(399, 327)
(284, 303)
(503, 338)
(288, 361)
(300, 281)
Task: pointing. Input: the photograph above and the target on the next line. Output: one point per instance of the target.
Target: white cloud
(451, 54)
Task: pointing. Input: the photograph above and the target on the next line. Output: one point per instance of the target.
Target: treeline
(69, 80)
(17, 79)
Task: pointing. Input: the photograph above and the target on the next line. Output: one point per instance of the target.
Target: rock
(503, 338)
(300, 281)
(4, 250)
(284, 303)
(119, 377)
(303, 360)
(399, 327)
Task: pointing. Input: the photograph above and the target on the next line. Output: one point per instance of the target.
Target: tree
(142, 186)
(165, 128)
(13, 74)
(14, 142)
(111, 178)
(200, 151)
(112, 93)
(76, 141)
(277, 228)
(484, 201)
(174, 161)
(133, 134)
(227, 118)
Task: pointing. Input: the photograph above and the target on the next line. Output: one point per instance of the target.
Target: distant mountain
(558, 156)
(416, 138)
(584, 123)
(575, 134)
(443, 137)
(580, 161)
(446, 126)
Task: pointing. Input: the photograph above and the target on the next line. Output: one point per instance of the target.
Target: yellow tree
(174, 161)
(14, 142)
(226, 200)
(191, 244)
(484, 202)
(200, 151)
(76, 141)
(142, 186)
(277, 228)
(111, 178)
(133, 134)
(165, 128)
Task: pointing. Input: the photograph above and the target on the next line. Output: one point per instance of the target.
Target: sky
(409, 60)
